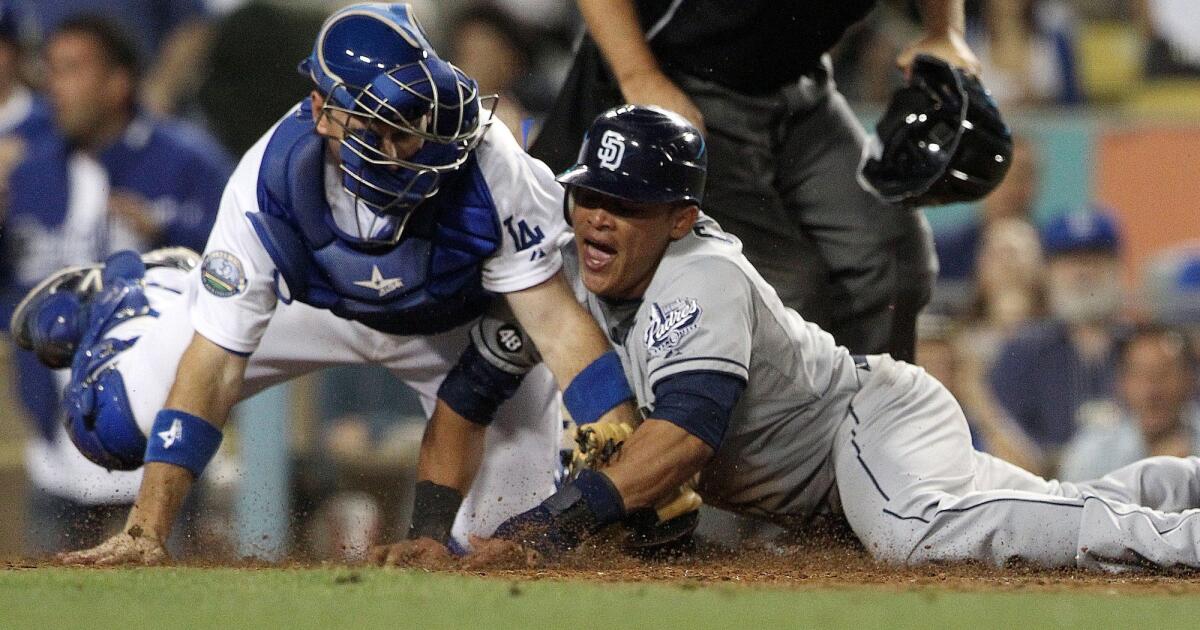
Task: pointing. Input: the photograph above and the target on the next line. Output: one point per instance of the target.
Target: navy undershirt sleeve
(700, 403)
(474, 388)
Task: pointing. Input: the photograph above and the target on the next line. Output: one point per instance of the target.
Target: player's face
(621, 243)
(1156, 382)
(88, 93)
(335, 125)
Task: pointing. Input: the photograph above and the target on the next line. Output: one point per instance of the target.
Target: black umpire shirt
(751, 46)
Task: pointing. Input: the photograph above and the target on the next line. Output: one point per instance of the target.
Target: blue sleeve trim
(475, 388)
(182, 439)
(596, 389)
(691, 359)
(700, 403)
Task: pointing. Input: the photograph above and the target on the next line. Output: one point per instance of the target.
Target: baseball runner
(777, 421)
(374, 223)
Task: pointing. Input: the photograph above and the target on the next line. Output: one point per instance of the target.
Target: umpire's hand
(652, 87)
(951, 47)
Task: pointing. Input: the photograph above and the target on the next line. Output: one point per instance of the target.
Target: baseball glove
(674, 517)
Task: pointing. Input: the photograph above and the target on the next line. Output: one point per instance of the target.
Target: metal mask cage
(417, 177)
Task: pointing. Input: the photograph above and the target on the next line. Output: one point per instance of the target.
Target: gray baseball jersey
(890, 440)
(708, 309)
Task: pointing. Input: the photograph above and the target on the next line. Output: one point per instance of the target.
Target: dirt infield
(819, 564)
(829, 564)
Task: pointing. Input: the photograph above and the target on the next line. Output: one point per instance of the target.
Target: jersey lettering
(523, 236)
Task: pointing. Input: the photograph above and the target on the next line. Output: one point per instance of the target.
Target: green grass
(372, 598)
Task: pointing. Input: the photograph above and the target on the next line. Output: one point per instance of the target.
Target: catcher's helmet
(374, 62)
(643, 154)
(941, 140)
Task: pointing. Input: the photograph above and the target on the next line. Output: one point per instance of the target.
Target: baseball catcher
(376, 222)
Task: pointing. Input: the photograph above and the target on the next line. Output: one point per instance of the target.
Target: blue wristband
(578, 510)
(182, 439)
(596, 389)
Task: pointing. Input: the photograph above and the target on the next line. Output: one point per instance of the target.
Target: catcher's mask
(941, 140)
(642, 154)
(373, 62)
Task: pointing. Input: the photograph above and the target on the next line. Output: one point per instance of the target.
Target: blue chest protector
(438, 262)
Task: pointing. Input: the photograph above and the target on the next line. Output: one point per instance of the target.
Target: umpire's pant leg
(880, 256)
(741, 194)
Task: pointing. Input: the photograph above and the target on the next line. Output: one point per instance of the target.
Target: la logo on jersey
(172, 435)
(670, 324)
(612, 150)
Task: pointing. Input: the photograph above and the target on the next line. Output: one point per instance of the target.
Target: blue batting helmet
(643, 154)
(373, 61)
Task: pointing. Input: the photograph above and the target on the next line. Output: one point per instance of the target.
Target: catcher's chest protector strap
(429, 282)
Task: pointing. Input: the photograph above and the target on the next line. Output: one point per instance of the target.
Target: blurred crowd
(119, 120)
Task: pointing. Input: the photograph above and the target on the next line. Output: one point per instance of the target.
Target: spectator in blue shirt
(1050, 369)
(1155, 412)
(109, 178)
(171, 38)
(24, 117)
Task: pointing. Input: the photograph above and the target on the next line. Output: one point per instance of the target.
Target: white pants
(521, 453)
(914, 490)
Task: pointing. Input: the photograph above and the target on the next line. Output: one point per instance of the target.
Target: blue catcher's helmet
(373, 61)
(643, 154)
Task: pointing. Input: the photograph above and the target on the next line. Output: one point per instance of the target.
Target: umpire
(784, 145)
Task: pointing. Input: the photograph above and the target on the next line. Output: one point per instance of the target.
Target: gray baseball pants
(914, 490)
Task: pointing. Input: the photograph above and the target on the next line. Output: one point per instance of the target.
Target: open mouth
(597, 256)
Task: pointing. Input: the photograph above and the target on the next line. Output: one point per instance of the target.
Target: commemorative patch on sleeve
(670, 324)
(222, 274)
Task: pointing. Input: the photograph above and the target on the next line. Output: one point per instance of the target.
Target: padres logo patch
(222, 274)
(670, 324)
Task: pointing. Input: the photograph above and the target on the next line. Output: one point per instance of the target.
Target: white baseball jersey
(286, 340)
(522, 189)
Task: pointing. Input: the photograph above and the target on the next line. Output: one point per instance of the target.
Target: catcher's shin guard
(53, 316)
